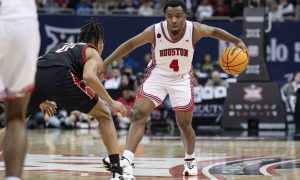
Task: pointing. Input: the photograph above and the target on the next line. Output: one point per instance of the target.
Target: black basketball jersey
(71, 55)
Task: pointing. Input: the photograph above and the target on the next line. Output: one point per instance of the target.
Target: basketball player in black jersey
(69, 75)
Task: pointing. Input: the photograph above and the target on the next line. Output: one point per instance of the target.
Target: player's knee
(140, 114)
(18, 116)
(183, 125)
(103, 115)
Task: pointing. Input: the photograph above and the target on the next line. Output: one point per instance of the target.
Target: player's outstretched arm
(202, 30)
(147, 36)
(91, 76)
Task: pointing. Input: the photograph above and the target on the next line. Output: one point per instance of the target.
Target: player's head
(297, 77)
(92, 33)
(215, 77)
(175, 13)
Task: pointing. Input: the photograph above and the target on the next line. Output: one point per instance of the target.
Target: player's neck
(178, 35)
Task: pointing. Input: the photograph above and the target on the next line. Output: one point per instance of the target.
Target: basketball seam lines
(233, 70)
(227, 59)
(234, 57)
(239, 64)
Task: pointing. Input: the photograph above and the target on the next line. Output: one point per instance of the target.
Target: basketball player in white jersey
(19, 47)
(169, 73)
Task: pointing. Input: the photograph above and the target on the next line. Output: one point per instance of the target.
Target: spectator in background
(115, 80)
(207, 64)
(286, 8)
(132, 5)
(237, 8)
(216, 80)
(297, 10)
(145, 8)
(128, 61)
(221, 9)
(204, 10)
(99, 6)
(139, 80)
(288, 91)
(128, 100)
(127, 82)
(114, 5)
(63, 3)
(275, 12)
(51, 6)
(72, 4)
(39, 3)
(84, 7)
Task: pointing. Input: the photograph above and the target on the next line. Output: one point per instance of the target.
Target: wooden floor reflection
(64, 155)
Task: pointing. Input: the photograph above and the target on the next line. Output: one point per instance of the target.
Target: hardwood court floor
(66, 155)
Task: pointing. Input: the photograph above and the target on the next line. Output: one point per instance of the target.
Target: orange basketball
(234, 60)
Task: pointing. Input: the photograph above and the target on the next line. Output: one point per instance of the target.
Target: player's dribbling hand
(48, 107)
(119, 106)
(242, 45)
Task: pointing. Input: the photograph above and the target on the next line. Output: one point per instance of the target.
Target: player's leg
(150, 95)
(181, 96)
(108, 132)
(184, 122)
(141, 111)
(15, 140)
(73, 94)
(18, 72)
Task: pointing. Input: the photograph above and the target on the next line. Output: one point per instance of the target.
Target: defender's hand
(119, 106)
(48, 107)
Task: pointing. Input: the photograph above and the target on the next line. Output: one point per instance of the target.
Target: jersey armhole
(154, 36)
(83, 56)
(193, 34)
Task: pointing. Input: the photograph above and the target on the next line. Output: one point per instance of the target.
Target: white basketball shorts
(19, 48)
(180, 89)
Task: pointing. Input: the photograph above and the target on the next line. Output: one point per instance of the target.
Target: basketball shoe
(190, 167)
(124, 163)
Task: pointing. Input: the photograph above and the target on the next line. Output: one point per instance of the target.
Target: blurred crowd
(199, 9)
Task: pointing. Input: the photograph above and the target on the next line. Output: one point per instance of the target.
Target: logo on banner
(252, 33)
(253, 93)
(59, 34)
(253, 69)
(253, 50)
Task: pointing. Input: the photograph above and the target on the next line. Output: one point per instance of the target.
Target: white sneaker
(127, 168)
(124, 163)
(190, 167)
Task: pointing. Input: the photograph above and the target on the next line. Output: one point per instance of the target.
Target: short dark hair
(92, 32)
(175, 3)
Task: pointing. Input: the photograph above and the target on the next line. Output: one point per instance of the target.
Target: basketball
(234, 60)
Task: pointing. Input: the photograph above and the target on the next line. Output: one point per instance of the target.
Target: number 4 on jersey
(174, 65)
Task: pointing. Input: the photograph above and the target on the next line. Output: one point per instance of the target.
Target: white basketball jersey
(172, 57)
(16, 9)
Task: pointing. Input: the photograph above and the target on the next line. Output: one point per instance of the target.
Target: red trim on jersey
(172, 41)
(83, 55)
(143, 94)
(6, 94)
(190, 105)
(193, 35)
(87, 90)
